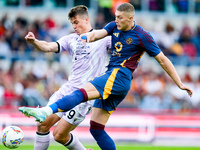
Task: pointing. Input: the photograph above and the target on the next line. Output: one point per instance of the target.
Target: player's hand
(30, 37)
(84, 38)
(189, 91)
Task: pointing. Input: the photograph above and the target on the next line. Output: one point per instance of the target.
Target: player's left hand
(185, 87)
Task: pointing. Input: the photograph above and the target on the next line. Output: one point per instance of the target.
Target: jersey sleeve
(110, 27)
(149, 44)
(63, 43)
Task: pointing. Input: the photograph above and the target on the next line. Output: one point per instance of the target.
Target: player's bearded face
(78, 24)
(122, 21)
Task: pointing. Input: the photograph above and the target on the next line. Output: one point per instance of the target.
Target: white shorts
(74, 116)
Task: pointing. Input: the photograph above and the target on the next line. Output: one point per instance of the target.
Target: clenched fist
(30, 37)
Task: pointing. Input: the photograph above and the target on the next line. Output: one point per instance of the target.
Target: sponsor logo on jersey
(118, 46)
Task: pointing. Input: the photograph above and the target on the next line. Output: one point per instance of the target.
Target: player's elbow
(161, 58)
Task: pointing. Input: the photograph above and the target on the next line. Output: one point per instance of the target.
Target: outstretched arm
(41, 45)
(94, 35)
(169, 68)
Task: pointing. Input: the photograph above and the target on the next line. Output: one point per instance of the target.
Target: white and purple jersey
(89, 60)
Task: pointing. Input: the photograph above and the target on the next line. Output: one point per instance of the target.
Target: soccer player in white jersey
(89, 61)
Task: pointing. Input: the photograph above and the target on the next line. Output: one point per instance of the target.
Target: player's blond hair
(78, 10)
(127, 8)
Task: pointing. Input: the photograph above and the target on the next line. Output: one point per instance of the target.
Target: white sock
(74, 144)
(48, 110)
(42, 141)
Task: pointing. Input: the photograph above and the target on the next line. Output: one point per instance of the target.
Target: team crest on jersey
(129, 40)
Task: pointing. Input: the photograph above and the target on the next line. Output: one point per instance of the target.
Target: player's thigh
(48, 123)
(92, 92)
(100, 115)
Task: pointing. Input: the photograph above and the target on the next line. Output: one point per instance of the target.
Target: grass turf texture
(119, 147)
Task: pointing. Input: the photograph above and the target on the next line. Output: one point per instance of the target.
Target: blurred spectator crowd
(29, 77)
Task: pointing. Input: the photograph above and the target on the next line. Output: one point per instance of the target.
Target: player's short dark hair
(127, 7)
(78, 10)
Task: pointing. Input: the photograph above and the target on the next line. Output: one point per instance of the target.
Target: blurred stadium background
(155, 110)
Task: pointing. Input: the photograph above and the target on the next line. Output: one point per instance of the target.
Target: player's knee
(43, 127)
(57, 137)
(60, 137)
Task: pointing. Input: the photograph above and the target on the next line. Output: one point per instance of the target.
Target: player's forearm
(97, 34)
(171, 71)
(44, 46)
(169, 68)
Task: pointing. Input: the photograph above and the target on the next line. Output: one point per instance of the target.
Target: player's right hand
(30, 37)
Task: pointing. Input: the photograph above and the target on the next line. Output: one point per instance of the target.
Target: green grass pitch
(119, 147)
